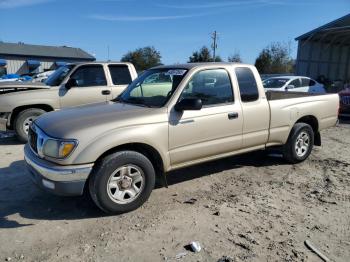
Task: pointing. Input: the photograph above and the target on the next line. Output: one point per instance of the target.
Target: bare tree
(275, 59)
(203, 55)
(235, 58)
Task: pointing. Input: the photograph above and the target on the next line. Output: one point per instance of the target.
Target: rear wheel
(122, 182)
(299, 144)
(23, 120)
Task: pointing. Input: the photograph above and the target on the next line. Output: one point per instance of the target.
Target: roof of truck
(103, 62)
(193, 65)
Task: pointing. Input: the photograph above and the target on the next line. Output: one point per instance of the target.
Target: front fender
(154, 135)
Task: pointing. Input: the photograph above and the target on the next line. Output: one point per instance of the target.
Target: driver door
(91, 87)
(215, 129)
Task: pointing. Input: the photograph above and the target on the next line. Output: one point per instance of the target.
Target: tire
(111, 188)
(299, 144)
(23, 120)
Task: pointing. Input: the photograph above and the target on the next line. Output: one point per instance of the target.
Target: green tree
(235, 58)
(143, 58)
(218, 59)
(203, 55)
(275, 59)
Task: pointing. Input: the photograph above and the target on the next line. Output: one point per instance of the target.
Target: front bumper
(59, 180)
(4, 118)
(3, 124)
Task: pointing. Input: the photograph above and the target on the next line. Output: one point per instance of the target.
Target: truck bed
(286, 108)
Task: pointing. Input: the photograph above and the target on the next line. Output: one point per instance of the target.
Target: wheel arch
(313, 122)
(19, 109)
(147, 150)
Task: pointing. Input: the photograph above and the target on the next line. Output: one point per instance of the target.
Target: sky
(174, 27)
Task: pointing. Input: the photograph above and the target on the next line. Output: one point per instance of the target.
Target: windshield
(57, 77)
(153, 88)
(275, 82)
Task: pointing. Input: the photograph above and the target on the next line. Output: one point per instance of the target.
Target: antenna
(108, 53)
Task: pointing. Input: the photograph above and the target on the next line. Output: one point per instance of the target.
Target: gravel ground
(253, 207)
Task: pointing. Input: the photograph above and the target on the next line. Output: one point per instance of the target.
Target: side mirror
(189, 104)
(289, 87)
(70, 83)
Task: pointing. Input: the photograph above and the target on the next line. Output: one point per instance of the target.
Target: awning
(2, 62)
(33, 64)
(58, 63)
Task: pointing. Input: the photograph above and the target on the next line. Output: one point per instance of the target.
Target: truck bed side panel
(286, 112)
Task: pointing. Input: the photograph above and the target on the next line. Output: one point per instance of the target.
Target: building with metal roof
(325, 51)
(20, 58)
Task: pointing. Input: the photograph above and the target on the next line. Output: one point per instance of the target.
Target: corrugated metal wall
(19, 66)
(316, 58)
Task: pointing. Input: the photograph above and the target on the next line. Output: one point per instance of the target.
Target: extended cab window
(90, 75)
(247, 84)
(211, 86)
(120, 74)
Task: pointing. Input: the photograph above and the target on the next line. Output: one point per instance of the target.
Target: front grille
(33, 138)
(345, 100)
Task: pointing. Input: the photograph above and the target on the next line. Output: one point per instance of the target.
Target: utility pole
(214, 36)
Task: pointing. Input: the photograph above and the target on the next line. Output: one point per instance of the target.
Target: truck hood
(11, 87)
(90, 121)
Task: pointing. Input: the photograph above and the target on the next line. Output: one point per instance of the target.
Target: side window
(90, 75)
(211, 86)
(307, 82)
(247, 84)
(296, 83)
(120, 74)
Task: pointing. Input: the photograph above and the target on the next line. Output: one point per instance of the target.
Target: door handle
(106, 92)
(233, 115)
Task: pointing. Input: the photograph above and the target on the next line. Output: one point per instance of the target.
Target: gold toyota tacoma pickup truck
(70, 85)
(168, 118)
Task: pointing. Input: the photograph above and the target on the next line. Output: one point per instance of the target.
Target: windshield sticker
(175, 72)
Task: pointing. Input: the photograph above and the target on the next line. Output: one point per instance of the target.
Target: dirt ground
(253, 207)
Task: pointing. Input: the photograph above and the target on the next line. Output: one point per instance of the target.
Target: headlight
(58, 148)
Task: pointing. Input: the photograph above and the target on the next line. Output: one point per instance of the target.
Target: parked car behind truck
(294, 84)
(344, 110)
(70, 85)
(193, 113)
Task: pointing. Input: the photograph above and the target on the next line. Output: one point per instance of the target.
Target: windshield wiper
(133, 101)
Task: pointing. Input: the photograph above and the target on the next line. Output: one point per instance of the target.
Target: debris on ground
(316, 251)
(226, 259)
(248, 238)
(191, 201)
(196, 247)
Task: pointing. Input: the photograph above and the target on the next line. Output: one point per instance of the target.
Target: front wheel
(122, 182)
(299, 144)
(23, 121)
